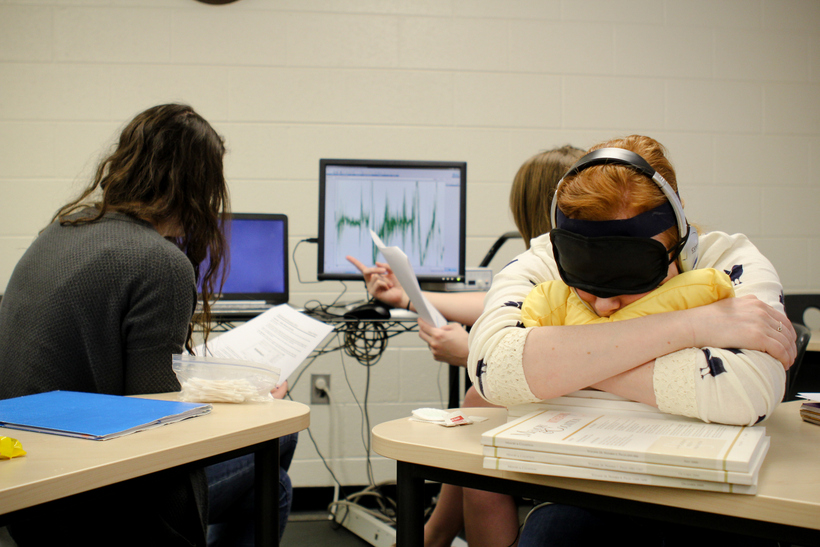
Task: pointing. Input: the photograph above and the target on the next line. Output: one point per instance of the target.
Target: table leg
(266, 494)
(454, 387)
(410, 517)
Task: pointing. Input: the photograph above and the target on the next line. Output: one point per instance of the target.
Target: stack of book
(629, 447)
(810, 412)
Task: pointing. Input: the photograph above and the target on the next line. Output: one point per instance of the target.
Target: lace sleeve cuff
(504, 379)
(674, 382)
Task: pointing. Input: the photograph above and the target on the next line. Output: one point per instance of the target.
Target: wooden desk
(56, 467)
(786, 507)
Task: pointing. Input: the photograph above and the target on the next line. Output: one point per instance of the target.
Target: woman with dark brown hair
(102, 299)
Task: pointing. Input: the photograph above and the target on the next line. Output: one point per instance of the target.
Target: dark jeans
(230, 497)
(564, 525)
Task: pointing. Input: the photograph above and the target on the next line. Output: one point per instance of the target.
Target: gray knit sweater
(101, 308)
(95, 307)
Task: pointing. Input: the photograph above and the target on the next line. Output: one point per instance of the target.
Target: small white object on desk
(447, 418)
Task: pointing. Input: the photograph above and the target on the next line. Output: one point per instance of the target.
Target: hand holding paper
(282, 337)
(403, 270)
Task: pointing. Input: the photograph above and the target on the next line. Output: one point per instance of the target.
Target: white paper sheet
(814, 397)
(282, 337)
(401, 266)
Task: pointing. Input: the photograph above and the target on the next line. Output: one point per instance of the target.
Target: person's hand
(382, 283)
(746, 323)
(280, 391)
(448, 343)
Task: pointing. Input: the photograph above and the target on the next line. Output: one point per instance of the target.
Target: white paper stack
(629, 447)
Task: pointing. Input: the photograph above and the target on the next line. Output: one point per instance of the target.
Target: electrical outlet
(319, 396)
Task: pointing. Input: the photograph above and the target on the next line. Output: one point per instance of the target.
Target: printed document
(282, 337)
(401, 266)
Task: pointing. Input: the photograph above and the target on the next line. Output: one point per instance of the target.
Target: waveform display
(407, 214)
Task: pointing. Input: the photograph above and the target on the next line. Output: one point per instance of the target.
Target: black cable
(319, 452)
(363, 410)
(365, 341)
(367, 444)
(299, 275)
(296, 264)
(324, 462)
(358, 404)
(315, 355)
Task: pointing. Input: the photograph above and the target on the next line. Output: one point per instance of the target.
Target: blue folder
(92, 415)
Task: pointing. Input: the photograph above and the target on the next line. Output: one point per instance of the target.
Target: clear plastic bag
(215, 380)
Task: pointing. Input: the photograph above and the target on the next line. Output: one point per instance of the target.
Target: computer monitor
(258, 258)
(419, 206)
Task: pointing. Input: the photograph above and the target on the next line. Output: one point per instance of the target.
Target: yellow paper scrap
(10, 448)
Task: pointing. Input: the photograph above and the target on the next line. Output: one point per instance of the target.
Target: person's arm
(720, 384)
(497, 338)
(461, 307)
(511, 365)
(280, 391)
(381, 282)
(448, 344)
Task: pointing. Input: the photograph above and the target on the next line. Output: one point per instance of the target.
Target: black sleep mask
(613, 257)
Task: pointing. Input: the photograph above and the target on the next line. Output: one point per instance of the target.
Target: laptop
(257, 266)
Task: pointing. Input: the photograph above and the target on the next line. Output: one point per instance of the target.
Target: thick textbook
(625, 466)
(614, 476)
(92, 415)
(634, 438)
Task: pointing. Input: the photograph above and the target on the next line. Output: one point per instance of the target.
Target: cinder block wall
(730, 86)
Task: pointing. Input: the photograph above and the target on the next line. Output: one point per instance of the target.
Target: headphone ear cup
(688, 256)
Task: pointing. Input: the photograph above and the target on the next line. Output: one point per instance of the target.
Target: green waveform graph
(408, 215)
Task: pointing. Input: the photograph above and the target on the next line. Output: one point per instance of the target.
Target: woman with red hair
(618, 234)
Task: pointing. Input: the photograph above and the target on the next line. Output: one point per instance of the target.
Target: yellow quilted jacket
(553, 303)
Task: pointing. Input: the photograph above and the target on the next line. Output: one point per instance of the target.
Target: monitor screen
(258, 255)
(418, 206)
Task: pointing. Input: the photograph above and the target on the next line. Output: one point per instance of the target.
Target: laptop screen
(258, 258)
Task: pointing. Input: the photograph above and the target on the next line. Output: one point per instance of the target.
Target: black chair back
(797, 304)
(803, 337)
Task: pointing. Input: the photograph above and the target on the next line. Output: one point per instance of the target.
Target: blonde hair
(610, 191)
(534, 186)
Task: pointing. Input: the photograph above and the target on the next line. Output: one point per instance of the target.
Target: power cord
(299, 275)
(366, 342)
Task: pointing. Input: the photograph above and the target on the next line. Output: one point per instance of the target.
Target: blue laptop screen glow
(258, 258)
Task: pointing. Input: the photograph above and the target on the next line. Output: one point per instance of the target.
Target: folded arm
(512, 365)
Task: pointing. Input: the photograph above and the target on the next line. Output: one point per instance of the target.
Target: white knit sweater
(713, 384)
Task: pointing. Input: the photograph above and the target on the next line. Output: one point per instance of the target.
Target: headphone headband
(620, 156)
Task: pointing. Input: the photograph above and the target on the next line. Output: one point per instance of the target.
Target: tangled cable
(365, 341)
